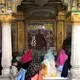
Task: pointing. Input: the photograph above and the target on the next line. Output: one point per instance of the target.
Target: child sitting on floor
(14, 69)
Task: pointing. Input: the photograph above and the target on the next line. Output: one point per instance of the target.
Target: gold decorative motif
(68, 19)
(75, 17)
(6, 17)
(61, 15)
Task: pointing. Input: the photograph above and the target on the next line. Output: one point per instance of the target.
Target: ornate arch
(15, 4)
(9, 6)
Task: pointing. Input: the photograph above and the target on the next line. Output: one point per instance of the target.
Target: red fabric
(27, 57)
(37, 76)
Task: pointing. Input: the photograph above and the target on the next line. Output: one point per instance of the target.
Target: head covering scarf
(27, 57)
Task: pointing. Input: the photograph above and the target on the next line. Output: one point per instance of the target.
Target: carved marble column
(6, 48)
(75, 56)
(6, 44)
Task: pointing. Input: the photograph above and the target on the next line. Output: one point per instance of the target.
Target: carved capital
(61, 15)
(6, 18)
(75, 17)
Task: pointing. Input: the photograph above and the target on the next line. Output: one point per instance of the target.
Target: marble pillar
(6, 49)
(75, 56)
(75, 48)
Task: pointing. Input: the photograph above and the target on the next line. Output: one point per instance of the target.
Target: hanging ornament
(41, 2)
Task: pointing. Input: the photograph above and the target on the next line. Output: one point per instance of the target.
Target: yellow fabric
(44, 70)
(45, 73)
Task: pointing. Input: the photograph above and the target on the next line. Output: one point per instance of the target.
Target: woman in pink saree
(61, 59)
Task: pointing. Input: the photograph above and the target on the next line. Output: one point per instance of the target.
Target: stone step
(56, 78)
(2, 78)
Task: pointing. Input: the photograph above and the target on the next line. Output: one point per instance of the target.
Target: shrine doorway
(48, 30)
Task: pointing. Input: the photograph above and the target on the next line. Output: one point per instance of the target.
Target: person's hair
(14, 60)
(64, 45)
(69, 34)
